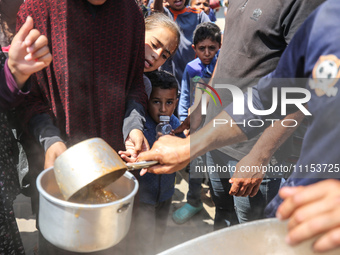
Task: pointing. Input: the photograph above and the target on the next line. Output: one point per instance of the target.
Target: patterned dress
(10, 241)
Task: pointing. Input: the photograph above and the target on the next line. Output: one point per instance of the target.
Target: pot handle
(140, 165)
(123, 208)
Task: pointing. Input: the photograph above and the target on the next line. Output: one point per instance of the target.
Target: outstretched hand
(29, 53)
(134, 144)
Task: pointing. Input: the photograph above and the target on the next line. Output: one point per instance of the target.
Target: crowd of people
(110, 69)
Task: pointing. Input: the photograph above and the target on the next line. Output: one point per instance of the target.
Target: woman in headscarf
(94, 86)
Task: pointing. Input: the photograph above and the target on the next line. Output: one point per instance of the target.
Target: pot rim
(85, 206)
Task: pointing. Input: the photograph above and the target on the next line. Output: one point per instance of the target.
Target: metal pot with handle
(88, 162)
(84, 227)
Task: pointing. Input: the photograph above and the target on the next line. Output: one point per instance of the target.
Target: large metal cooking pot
(84, 227)
(261, 237)
(92, 160)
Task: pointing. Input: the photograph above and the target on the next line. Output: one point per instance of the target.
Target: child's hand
(134, 144)
(129, 154)
(29, 53)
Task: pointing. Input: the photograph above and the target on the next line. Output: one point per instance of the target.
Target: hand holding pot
(312, 210)
(53, 152)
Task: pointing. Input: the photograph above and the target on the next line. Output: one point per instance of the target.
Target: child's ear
(193, 47)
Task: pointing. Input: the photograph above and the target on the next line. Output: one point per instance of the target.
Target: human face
(177, 5)
(160, 44)
(162, 102)
(201, 5)
(96, 2)
(206, 50)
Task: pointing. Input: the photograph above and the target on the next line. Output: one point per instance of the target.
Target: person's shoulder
(167, 12)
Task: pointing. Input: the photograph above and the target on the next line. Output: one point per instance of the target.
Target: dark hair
(162, 79)
(207, 30)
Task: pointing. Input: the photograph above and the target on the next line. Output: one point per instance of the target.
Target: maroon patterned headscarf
(97, 66)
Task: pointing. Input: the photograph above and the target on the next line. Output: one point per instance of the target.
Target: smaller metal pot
(84, 227)
(90, 161)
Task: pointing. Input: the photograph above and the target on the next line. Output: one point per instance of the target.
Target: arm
(48, 135)
(184, 100)
(28, 54)
(248, 183)
(133, 132)
(174, 153)
(136, 96)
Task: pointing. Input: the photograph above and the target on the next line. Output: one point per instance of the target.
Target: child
(204, 6)
(162, 38)
(156, 190)
(206, 44)
(187, 19)
(29, 53)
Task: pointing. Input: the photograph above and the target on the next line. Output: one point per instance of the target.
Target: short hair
(157, 20)
(162, 79)
(207, 30)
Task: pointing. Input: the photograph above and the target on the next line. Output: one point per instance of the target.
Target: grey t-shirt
(256, 34)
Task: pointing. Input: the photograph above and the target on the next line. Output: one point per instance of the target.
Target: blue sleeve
(184, 100)
(212, 15)
(174, 122)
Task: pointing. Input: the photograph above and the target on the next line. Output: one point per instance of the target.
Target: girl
(161, 42)
(28, 54)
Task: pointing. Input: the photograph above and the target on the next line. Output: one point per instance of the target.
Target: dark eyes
(205, 4)
(209, 48)
(158, 102)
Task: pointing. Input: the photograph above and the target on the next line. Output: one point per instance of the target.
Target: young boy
(206, 44)
(187, 19)
(155, 191)
(204, 5)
